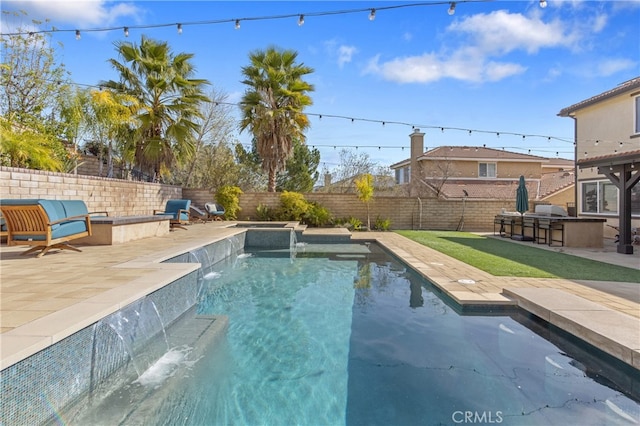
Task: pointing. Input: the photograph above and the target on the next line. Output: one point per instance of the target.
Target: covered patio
(623, 170)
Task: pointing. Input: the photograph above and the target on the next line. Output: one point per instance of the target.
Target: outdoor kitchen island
(549, 225)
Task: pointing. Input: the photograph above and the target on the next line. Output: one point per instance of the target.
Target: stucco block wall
(125, 198)
(404, 212)
(118, 197)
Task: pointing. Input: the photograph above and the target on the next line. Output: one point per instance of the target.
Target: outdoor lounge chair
(198, 214)
(177, 211)
(214, 210)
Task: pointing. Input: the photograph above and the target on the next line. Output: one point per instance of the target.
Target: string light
(77, 34)
(543, 3)
(413, 126)
(301, 20)
(372, 14)
(452, 8)
(179, 28)
(126, 31)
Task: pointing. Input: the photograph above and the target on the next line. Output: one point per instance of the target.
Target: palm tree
(169, 100)
(272, 106)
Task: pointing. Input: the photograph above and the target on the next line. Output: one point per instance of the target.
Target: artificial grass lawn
(503, 258)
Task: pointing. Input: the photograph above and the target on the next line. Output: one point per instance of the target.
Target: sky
(494, 73)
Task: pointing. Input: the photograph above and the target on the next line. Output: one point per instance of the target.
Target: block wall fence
(126, 198)
(404, 212)
(116, 196)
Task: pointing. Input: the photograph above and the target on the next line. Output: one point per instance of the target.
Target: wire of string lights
(370, 11)
(498, 133)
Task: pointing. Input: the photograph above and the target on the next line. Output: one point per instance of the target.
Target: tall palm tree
(272, 106)
(169, 100)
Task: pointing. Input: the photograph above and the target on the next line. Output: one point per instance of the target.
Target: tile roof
(615, 158)
(538, 189)
(634, 83)
(476, 153)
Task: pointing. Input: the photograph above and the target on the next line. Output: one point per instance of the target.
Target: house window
(637, 129)
(403, 174)
(599, 197)
(487, 170)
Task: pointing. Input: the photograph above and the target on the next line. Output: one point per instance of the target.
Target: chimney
(327, 180)
(417, 149)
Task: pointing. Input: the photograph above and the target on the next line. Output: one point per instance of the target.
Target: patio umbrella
(522, 201)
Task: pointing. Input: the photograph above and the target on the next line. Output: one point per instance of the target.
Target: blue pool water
(351, 336)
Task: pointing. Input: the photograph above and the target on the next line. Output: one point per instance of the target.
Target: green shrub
(382, 224)
(293, 206)
(264, 213)
(317, 215)
(229, 197)
(354, 223)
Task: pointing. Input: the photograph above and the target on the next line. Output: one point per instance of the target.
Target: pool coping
(603, 320)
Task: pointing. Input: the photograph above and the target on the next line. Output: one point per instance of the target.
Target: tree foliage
(169, 98)
(272, 106)
(301, 172)
(32, 86)
(364, 189)
(32, 81)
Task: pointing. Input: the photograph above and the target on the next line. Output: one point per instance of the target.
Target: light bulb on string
(452, 8)
(301, 20)
(372, 14)
(77, 34)
(237, 26)
(179, 28)
(126, 31)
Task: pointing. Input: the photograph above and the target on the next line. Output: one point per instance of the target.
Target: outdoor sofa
(45, 224)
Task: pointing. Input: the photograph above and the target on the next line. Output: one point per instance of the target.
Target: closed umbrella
(522, 202)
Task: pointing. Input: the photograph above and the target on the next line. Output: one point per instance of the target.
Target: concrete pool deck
(43, 300)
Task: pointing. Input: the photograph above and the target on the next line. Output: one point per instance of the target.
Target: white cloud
(345, 53)
(88, 13)
(502, 32)
(342, 53)
(430, 67)
(483, 39)
(609, 67)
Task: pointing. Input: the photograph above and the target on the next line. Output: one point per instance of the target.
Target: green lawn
(503, 258)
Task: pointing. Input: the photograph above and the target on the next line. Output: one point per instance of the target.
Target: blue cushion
(70, 228)
(54, 210)
(173, 206)
(18, 202)
(74, 208)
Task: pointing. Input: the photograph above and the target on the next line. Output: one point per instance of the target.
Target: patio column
(621, 175)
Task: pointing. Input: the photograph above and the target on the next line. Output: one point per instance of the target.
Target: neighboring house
(607, 138)
(487, 173)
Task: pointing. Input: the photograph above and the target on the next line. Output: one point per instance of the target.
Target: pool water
(348, 335)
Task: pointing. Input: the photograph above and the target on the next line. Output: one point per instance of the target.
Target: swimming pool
(346, 334)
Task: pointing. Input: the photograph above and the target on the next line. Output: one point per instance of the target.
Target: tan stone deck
(45, 300)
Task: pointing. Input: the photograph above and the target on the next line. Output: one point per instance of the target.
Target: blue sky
(491, 67)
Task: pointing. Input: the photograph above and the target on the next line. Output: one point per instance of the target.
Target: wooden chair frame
(32, 220)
